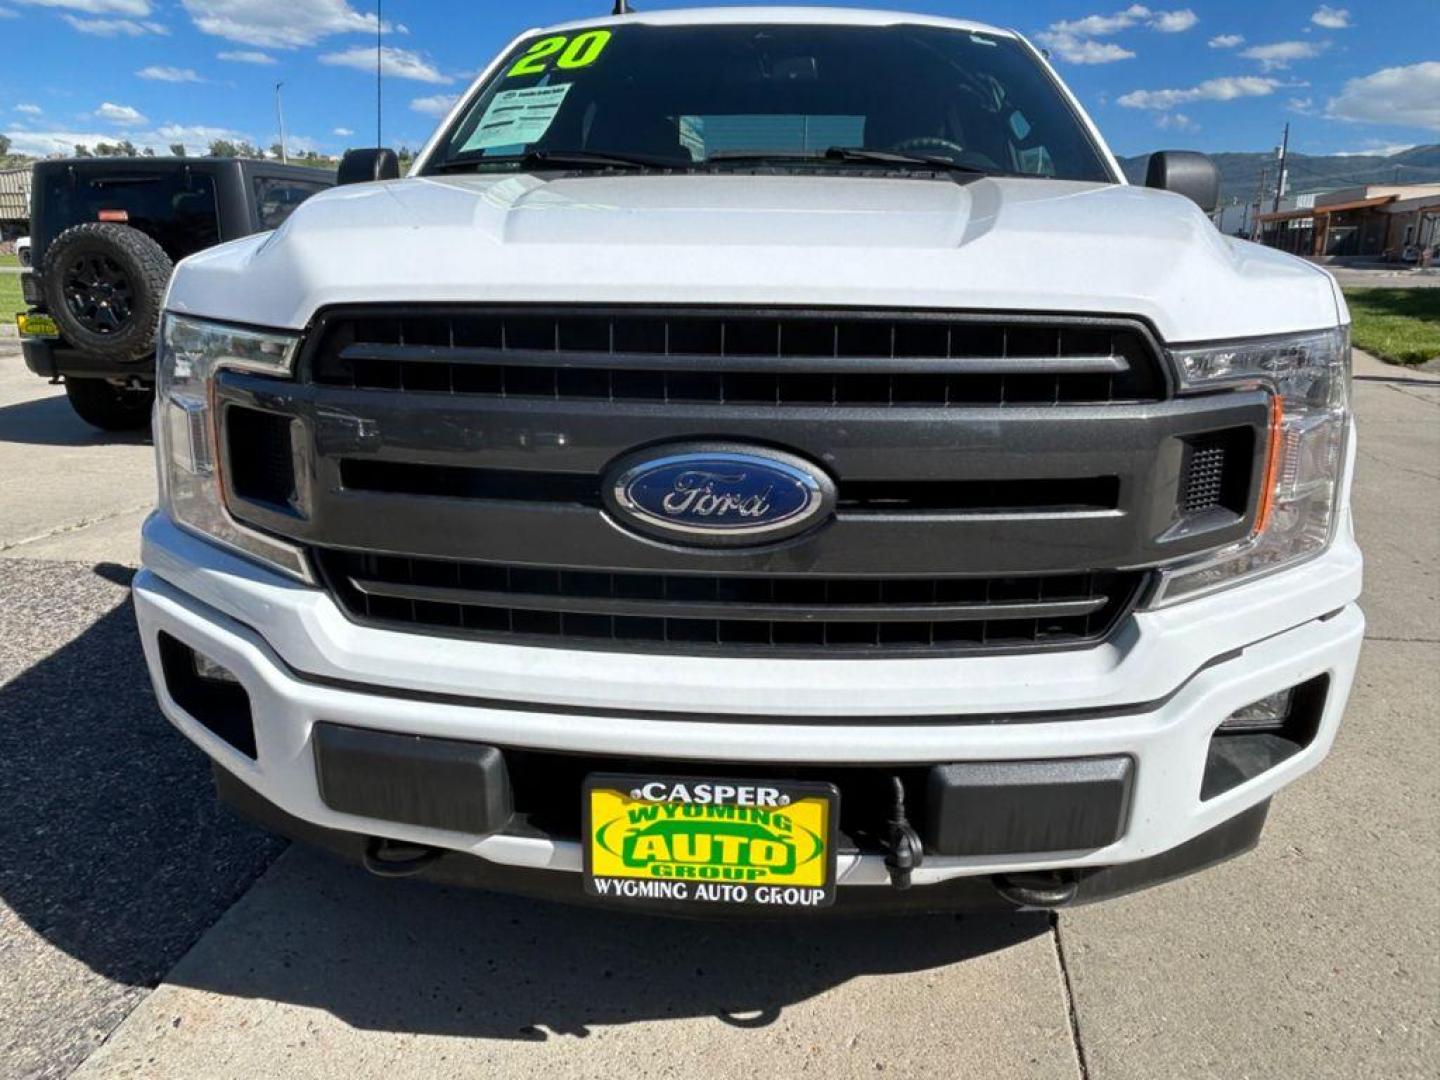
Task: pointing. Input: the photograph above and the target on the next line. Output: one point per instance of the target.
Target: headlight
(1308, 376)
(191, 352)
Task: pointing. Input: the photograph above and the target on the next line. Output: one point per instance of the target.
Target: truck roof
(133, 165)
(822, 16)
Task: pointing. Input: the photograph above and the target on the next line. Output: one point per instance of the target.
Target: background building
(14, 202)
(1390, 221)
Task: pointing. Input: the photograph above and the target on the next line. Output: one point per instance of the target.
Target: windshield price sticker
(518, 117)
(691, 840)
(566, 53)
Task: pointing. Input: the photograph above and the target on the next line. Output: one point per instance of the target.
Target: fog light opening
(210, 670)
(209, 693)
(1267, 714)
(1257, 738)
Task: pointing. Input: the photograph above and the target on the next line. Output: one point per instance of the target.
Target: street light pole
(280, 118)
(379, 38)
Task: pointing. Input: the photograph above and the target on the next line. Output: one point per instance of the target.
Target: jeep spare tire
(104, 284)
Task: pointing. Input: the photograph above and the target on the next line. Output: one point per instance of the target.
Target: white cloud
(1174, 22)
(29, 110)
(114, 27)
(45, 143)
(196, 138)
(278, 24)
(344, 133)
(400, 63)
(1076, 50)
(1282, 54)
(1223, 89)
(1376, 149)
(435, 105)
(6, 13)
(1175, 122)
(1226, 41)
(246, 56)
(137, 8)
(119, 114)
(1401, 96)
(1331, 18)
(1102, 25)
(160, 73)
(1073, 39)
(1304, 105)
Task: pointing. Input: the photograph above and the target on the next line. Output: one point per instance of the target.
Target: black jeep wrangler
(106, 234)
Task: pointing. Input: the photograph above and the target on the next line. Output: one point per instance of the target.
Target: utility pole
(280, 118)
(1259, 202)
(1280, 177)
(379, 39)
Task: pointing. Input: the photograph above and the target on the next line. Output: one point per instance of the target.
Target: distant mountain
(1240, 173)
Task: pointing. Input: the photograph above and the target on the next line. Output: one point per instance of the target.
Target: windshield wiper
(845, 155)
(563, 159)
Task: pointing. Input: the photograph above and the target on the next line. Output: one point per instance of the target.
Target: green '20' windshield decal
(567, 53)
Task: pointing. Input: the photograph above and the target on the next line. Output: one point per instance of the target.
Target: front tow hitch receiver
(1040, 889)
(903, 850)
(396, 858)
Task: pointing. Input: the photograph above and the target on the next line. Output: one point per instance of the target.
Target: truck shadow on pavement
(114, 849)
(410, 956)
(118, 854)
(50, 421)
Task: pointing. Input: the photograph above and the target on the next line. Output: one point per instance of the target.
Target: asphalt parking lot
(146, 933)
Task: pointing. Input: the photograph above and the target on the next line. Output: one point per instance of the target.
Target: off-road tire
(116, 314)
(108, 407)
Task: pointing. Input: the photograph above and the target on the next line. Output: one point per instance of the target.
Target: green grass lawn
(10, 301)
(1398, 325)
(9, 260)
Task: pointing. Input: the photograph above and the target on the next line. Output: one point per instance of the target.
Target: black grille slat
(783, 359)
(878, 616)
(856, 497)
(597, 605)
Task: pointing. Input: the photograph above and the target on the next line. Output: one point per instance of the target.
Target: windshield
(701, 97)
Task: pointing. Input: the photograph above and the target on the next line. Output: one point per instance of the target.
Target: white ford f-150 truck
(758, 459)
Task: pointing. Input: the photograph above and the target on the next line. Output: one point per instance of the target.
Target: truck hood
(982, 244)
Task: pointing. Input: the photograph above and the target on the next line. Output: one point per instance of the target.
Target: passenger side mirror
(365, 166)
(1185, 173)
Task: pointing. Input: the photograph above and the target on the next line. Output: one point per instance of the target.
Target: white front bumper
(1156, 692)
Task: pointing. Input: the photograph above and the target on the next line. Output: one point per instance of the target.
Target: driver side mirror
(1185, 173)
(367, 166)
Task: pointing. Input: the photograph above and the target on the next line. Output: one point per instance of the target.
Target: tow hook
(396, 858)
(1047, 889)
(903, 850)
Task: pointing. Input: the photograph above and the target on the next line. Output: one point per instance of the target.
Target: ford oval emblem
(718, 494)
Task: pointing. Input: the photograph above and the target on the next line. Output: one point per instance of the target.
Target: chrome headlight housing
(1308, 377)
(187, 447)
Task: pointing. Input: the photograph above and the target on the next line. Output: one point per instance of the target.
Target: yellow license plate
(36, 326)
(689, 840)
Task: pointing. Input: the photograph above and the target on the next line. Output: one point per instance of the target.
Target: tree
(4, 144)
(125, 148)
(177, 149)
(149, 151)
(222, 148)
(81, 150)
(277, 151)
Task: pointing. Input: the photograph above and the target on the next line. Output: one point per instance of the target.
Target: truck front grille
(1003, 482)
(746, 359)
(695, 611)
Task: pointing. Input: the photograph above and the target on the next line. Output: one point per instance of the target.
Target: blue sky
(1221, 75)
